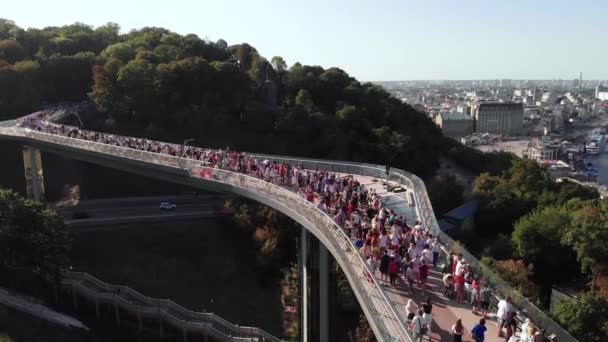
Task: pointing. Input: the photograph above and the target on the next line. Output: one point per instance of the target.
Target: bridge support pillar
(97, 309)
(160, 324)
(34, 180)
(323, 293)
(314, 288)
(117, 314)
(74, 299)
(304, 284)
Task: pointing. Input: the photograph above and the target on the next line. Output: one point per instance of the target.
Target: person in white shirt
(505, 307)
(436, 248)
(460, 267)
(418, 327)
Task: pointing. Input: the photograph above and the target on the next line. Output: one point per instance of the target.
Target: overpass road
(120, 211)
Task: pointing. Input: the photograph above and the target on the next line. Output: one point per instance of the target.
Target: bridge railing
(423, 209)
(370, 294)
(527, 308)
(426, 215)
(143, 305)
(354, 265)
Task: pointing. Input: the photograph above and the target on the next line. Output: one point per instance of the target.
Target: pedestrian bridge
(382, 309)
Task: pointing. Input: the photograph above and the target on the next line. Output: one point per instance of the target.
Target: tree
(537, 239)
(7, 29)
(363, 332)
(11, 51)
(121, 51)
(32, 237)
(588, 235)
(585, 317)
(278, 63)
(304, 99)
(445, 193)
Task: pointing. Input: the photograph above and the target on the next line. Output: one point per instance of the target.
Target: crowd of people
(398, 251)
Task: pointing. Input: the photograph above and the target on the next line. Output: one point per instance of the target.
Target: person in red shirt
(424, 273)
(459, 287)
(393, 270)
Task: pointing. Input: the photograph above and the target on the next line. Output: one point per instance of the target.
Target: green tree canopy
(537, 239)
(588, 235)
(11, 51)
(31, 236)
(585, 317)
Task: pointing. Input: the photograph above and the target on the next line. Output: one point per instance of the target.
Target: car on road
(167, 206)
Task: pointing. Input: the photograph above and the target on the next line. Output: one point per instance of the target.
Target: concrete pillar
(323, 293)
(97, 308)
(185, 334)
(117, 314)
(34, 179)
(160, 324)
(74, 299)
(303, 281)
(139, 322)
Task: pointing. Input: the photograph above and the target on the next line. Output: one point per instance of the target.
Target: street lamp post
(388, 171)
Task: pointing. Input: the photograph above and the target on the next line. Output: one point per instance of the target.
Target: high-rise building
(454, 125)
(504, 118)
(601, 93)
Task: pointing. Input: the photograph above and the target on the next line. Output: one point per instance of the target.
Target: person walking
(393, 270)
(504, 309)
(384, 261)
(418, 327)
(478, 331)
(411, 308)
(457, 331)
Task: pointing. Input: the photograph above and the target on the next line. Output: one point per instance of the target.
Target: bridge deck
(445, 311)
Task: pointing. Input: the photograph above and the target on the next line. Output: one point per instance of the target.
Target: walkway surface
(445, 311)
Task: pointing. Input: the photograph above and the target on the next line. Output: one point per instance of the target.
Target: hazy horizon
(386, 40)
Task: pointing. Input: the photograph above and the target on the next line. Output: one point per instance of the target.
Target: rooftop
(454, 116)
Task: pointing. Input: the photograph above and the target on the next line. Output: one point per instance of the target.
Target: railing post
(97, 308)
(139, 322)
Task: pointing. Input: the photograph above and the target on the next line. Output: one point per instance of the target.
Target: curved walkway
(383, 306)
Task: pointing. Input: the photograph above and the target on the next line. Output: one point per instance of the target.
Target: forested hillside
(159, 84)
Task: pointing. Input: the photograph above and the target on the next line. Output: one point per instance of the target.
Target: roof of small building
(454, 116)
(464, 211)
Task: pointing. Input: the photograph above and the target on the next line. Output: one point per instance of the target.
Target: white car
(167, 206)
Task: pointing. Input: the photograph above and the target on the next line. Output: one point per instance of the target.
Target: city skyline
(381, 41)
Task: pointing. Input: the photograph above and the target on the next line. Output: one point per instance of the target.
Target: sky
(374, 40)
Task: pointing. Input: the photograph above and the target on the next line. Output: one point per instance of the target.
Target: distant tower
(580, 80)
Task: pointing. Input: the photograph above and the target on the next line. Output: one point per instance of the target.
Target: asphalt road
(139, 209)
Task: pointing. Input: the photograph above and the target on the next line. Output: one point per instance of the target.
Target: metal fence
(139, 305)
